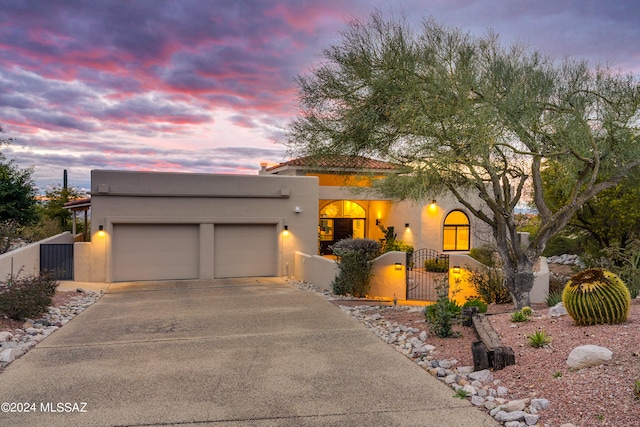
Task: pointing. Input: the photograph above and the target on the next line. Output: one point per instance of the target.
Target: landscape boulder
(557, 310)
(588, 355)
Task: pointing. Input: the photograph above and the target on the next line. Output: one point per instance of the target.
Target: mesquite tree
(467, 115)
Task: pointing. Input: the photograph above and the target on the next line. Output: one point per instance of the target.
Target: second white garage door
(245, 250)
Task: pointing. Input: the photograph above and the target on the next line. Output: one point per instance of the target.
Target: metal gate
(57, 260)
(426, 270)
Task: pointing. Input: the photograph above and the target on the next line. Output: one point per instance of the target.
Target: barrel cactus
(596, 296)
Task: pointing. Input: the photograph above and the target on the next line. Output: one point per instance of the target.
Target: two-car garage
(173, 251)
(172, 226)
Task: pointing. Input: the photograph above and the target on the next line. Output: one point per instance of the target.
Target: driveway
(228, 352)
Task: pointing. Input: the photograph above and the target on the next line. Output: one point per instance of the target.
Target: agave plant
(596, 296)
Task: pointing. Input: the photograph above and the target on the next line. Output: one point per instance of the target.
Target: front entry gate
(426, 270)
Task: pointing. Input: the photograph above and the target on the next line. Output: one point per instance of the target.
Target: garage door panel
(155, 252)
(245, 250)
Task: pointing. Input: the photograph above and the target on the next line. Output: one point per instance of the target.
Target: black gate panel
(426, 270)
(57, 259)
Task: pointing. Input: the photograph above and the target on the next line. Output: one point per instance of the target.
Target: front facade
(441, 224)
(161, 226)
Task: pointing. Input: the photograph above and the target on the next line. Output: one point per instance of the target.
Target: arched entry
(339, 220)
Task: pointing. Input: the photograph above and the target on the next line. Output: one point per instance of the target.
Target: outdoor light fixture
(286, 228)
(398, 266)
(456, 269)
(433, 202)
(100, 227)
(377, 221)
(406, 225)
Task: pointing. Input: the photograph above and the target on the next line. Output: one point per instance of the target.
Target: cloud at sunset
(208, 86)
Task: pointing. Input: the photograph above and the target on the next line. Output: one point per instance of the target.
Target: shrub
(355, 262)
(526, 311)
(489, 285)
(519, 316)
(442, 315)
(475, 302)
(27, 297)
(390, 243)
(539, 339)
(436, 265)
(625, 262)
(553, 298)
(596, 296)
(484, 254)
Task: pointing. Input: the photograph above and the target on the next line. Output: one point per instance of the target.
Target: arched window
(456, 232)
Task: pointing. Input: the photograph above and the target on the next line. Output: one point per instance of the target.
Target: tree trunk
(519, 282)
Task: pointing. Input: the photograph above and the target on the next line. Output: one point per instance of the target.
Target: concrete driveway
(226, 352)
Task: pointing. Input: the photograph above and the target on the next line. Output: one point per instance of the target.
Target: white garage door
(155, 252)
(245, 250)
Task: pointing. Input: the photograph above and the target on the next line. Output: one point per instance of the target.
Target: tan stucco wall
(460, 289)
(315, 269)
(26, 260)
(389, 281)
(123, 197)
(425, 223)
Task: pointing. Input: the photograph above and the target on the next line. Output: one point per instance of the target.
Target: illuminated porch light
(398, 266)
(456, 269)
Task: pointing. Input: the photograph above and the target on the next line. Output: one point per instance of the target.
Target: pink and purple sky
(208, 85)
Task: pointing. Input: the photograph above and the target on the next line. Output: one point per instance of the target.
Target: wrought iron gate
(57, 260)
(426, 269)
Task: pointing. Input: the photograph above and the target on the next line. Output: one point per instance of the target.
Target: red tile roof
(337, 162)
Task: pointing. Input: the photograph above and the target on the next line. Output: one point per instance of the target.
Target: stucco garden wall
(26, 260)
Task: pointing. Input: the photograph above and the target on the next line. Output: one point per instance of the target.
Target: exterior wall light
(398, 266)
(378, 221)
(406, 225)
(286, 228)
(456, 269)
(101, 228)
(285, 232)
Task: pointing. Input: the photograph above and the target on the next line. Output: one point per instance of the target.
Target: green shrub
(355, 262)
(489, 285)
(436, 265)
(596, 296)
(539, 339)
(519, 316)
(553, 298)
(442, 315)
(475, 302)
(625, 262)
(484, 254)
(527, 311)
(389, 243)
(26, 297)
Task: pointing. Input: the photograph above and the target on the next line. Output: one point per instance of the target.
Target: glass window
(326, 230)
(456, 232)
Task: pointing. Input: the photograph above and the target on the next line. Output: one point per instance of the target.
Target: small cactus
(527, 311)
(596, 296)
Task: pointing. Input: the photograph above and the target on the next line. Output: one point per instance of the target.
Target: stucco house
(156, 226)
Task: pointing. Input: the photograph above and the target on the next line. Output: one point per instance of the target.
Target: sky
(208, 86)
